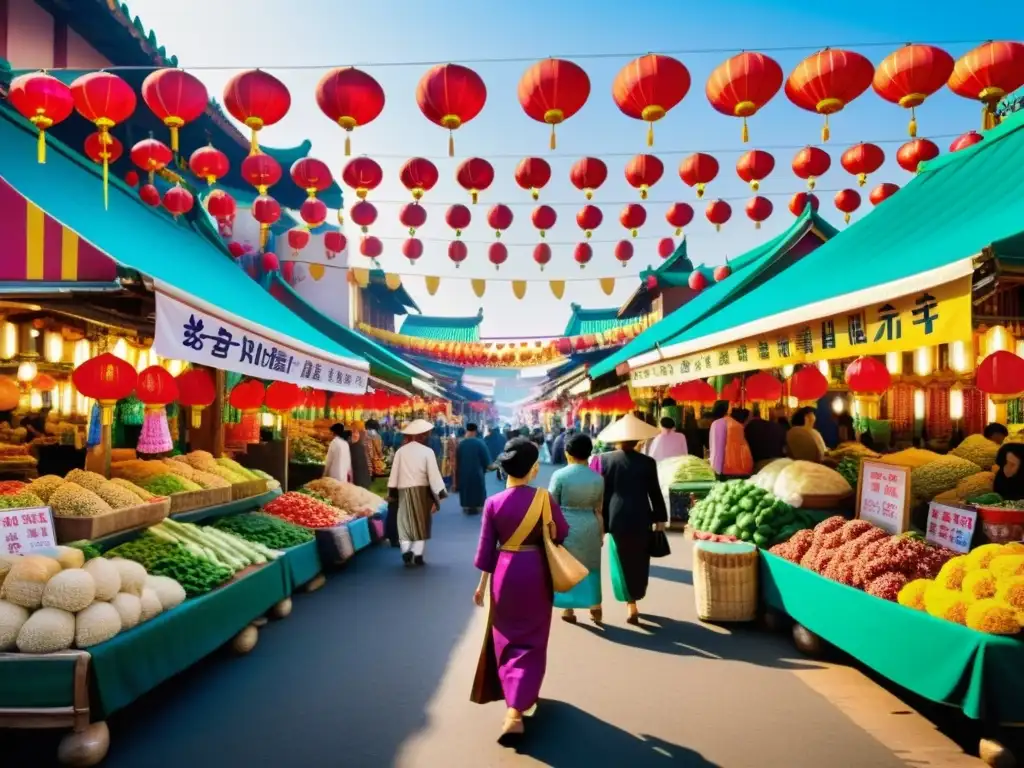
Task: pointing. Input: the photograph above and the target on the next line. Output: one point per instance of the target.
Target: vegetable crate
(247, 489)
(88, 528)
(209, 497)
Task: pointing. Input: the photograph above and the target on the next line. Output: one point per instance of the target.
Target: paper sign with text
(23, 531)
(951, 527)
(883, 495)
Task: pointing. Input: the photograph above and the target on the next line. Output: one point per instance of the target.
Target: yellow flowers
(912, 594)
(979, 585)
(945, 604)
(951, 575)
(992, 617)
(980, 557)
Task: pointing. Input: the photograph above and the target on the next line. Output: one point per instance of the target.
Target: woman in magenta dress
(514, 655)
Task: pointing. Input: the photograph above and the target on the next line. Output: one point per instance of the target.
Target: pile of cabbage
(790, 481)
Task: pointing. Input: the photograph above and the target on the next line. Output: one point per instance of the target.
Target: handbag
(659, 545)
(566, 570)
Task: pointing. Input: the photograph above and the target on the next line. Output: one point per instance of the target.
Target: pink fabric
(716, 444)
(668, 445)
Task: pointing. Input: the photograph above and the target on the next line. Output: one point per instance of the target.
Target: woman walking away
(416, 483)
(632, 505)
(511, 555)
(338, 463)
(579, 491)
(359, 442)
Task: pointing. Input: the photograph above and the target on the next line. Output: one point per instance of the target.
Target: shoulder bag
(566, 570)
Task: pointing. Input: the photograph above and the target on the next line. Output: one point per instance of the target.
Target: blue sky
(318, 34)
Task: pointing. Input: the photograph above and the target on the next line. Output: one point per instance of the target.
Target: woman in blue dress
(579, 491)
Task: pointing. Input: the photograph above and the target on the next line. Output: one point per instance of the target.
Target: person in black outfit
(996, 432)
(766, 438)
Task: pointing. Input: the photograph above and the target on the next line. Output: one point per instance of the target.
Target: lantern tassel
(988, 118)
(825, 134)
(650, 134)
(254, 144)
(348, 144)
(41, 148)
(197, 416)
(846, 218)
(745, 132)
(451, 144)
(264, 232)
(913, 124)
(174, 139)
(106, 181)
(553, 142)
(757, 225)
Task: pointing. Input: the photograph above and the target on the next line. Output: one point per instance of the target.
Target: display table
(680, 498)
(301, 565)
(983, 675)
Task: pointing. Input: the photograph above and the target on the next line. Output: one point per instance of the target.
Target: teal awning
(443, 328)
(589, 321)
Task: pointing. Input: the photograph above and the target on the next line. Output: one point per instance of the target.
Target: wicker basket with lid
(725, 580)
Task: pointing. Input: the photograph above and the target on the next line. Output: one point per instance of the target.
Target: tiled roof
(443, 328)
(584, 321)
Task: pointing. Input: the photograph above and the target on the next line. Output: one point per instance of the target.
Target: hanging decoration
(103, 148)
(497, 254)
(457, 252)
(862, 159)
(589, 218)
(351, 98)
(247, 396)
(363, 175)
(963, 141)
(810, 163)
(624, 251)
(758, 210)
(196, 391)
(156, 388)
(261, 171)
(742, 85)
(808, 385)
(754, 166)
(457, 217)
(553, 90)
(868, 379)
(718, 213)
(588, 174)
(450, 95)
(988, 74)
(266, 210)
(722, 271)
(697, 281)
(270, 263)
(763, 389)
(334, 243)
(419, 176)
(44, 101)
(474, 175)
(412, 216)
(371, 247)
(914, 152)
(149, 155)
(175, 97)
(256, 99)
(178, 200)
(799, 201)
(298, 238)
(282, 397)
(883, 191)
(543, 218)
(678, 216)
(698, 170)
(412, 249)
(499, 218)
(220, 205)
(150, 195)
(847, 201)
(648, 87)
(479, 287)
(106, 379)
(542, 254)
(666, 247)
(363, 215)
(131, 179)
(209, 163)
(557, 287)
(582, 254)
(105, 100)
(827, 81)
(313, 176)
(909, 75)
(632, 217)
(643, 172)
(533, 173)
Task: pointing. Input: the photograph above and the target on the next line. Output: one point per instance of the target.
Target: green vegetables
(849, 468)
(167, 558)
(741, 509)
(165, 485)
(217, 546)
(318, 496)
(987, 500)
(21, 500)
(88, 549)
(265, 529)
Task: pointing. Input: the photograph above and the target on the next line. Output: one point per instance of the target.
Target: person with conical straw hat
(633, 506)
(417, 484)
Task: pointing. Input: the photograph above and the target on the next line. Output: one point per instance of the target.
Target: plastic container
(1002, 525)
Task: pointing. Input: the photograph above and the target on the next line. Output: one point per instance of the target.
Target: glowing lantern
(988, 73)
(762, 387)
(313, 212)
(910, 75)
(678, 215)
(458, 218)
(914, 152)
(131, 179)
(718, 213)
(313, 176)
(256, 99)
(363, 175)
(808, 385)
(104, 100)
(371, 247)
(533, 173)
(499, 218)
(543, 218)
(588, 174)
(208, 163)
(542, 254)
(648, 87)
(282, 397)
(643, 172)
(44, 101)
(827, 81)
(666, 247)
(262, 171)
(697, 281)
(553, 90)
(497, 254)
(106, 379)
(10, 394)
(743, 84)
(266, 210)
(150, 155)
(882, 192)
(363, 215)
(450, 95)
(418, 175)
(861, 160)
(457, 252)
(632, 218)
(582, 254)
(103, 148)
(589, 218)
(847, 201)
(156, 388)
(968, 139)
(196, 391)
(474, 175)
(350, 98)
(758, 210)
(175, 97)
(623, 251)
(412, 216)
(698, 170)
(868, 379)
(801, 200)
(412, 249)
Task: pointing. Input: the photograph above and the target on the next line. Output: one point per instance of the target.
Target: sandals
(596, 615)
(511, 730)
(569, 617)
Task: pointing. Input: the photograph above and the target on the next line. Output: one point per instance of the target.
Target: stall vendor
(1009, 481)
(996, 432)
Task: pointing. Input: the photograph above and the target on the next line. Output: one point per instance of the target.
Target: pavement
(375, 670)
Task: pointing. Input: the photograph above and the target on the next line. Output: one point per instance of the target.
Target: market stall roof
(583, 321)
(926, 234)
(747, 269)
(443, 328)
(397, 300)
(183, 264)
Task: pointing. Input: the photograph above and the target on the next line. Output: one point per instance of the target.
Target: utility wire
(625, 274)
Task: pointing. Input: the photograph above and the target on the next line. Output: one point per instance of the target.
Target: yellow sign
(938, 315)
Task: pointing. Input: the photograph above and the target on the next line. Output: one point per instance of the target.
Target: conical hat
(417, 427)
(626, 430)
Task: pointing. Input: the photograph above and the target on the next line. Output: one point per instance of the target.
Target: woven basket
(725, 581)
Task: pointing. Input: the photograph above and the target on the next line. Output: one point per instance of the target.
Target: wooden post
(218, 415)
(106, 445)
(284, 483)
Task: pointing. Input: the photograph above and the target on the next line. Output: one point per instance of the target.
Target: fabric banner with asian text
(184, 332)
(932, 316)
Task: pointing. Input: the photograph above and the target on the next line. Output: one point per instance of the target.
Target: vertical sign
(22, 531)
(951, 527)
(883, 496)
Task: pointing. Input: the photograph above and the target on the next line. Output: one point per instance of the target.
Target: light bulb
(838, 406)
(894, 362)
(958, 356)
(35, 401)
(787, 370)
(919, 404)
(53, 347)
(826, 369)
(924, 361)
(27, 371)
(8, 341)
(956, 402)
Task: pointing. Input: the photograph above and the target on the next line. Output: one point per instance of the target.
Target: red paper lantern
(156, 386)
(499, 218)
(458, 218)
(247, 396)
(883, 192)
(363, 175)
(131, 179)
(450, 95)
(632, 217)
(196, 391)
(589, 218)
(666, 247)
(582, 254)
(648, 87)
(542, 254)
(497, 254)
(175, 97)
(910, 75)
(457, 252)
(963, 141)
(236, 249)
(588, 174)
(103, 148)
(988, 73)
(298, 238)
(679, 215)
(220, 204)
(474, 175)
(44, 101)
(288, 272)
(861, 160)
(623, 251)
(412, 216)
(106, 379)
(718, 213)
(270, 263)
(914, 152)
(371, 247)
(810, 163)
(150, 155)
(350, 98)
(543, 218)
(334, 243)
(418, 175)
(178, 200)
(311, 175)
(282, 396)
(313, 211)
(256, 99)
(827, 81)
(867, 376)
(762, 387)
(553, 90)
(697, 281)
(533, 173)
(412, 249)
(799, 201)
(262, 171)
(105, 100)
(266, 210)
(754, 166)
(1001, 374)
(643, 172)
(759, 209)
(363, 214)
(743, 84)
(209, 163)
(808, 385)
(698, 170)
(150, 195)
(847, 201)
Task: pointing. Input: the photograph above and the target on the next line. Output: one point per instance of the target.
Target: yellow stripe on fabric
(35, 221)
(68, 254)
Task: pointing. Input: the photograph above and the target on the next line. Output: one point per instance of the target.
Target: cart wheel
(773, 621)
(245, 640)
(317, 581)
(281, 609)
(995, 754)
(807, 642)
(89, 746)
(260, 622)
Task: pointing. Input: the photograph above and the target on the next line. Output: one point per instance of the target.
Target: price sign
(22, 531)
(951, 527)
(883, 496)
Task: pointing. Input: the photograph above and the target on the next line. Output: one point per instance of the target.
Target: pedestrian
(669, 444)
(804, 442)
(766, 438)
(512, 559)
(338, 463)
(495, 446)
(472, 464)
(375, 445)
(416, 483)
(359, 444)
(579, 491)
(633, 504)
(558, 447)
(727, 444)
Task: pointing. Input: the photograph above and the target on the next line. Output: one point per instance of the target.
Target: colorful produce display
(20, 500)
(742, 509)
(943, 474)
(799, 478)
(350, 498)
(263, 529)
(11, 486)
(686, 469)
(306, 449)
(978, 449)
(197, 575)
(304, 510)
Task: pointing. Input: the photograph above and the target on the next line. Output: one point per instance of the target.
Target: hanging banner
(938, 315)
(187, 333)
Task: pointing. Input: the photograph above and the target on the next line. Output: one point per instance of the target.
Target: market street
(375, 669)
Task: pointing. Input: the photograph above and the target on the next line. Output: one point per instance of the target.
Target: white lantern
(27, 371)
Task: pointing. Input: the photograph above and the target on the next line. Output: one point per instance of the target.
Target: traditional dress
(579, 491)
(730, 453)
(514, 656)
(338, 463)
(415, 475)
(471, 465)
(632, 505)
(360, 457)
